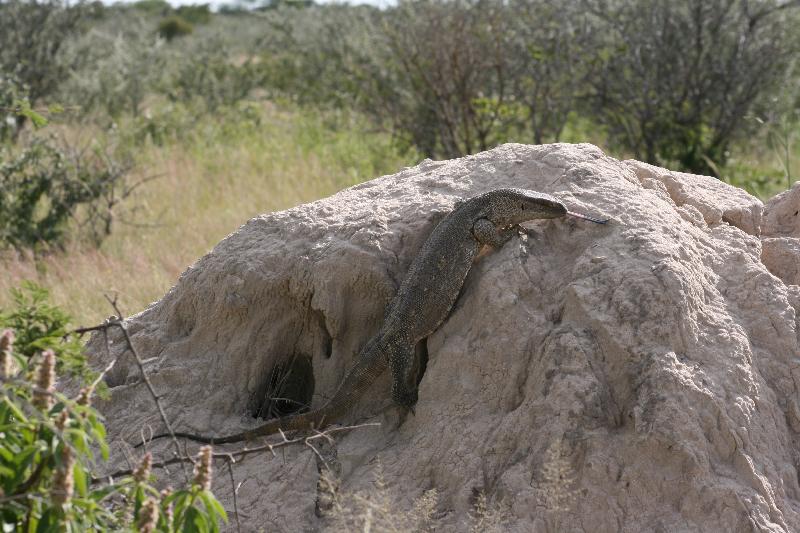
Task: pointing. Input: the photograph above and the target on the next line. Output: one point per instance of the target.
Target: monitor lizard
(422, 303)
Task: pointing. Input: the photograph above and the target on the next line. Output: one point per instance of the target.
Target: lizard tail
(289, 423)
(371, 362)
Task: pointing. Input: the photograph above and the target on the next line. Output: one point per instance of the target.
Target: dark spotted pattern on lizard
(422, 303)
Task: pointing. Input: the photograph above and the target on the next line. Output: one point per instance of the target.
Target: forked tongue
(587, 217)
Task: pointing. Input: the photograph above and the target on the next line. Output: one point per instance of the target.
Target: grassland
(207, 184)
(231, 167)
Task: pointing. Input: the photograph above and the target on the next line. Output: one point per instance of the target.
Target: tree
(551, 50)
(32, 34)
(674, 80)
(452, 72)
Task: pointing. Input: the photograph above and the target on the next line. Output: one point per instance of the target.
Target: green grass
(765, 166)
(211, 179)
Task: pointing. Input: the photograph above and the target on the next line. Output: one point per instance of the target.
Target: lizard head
(512, 206)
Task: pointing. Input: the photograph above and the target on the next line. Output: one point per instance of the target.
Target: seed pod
(142, 472)
(166, 493)
(62, 420)
(84, 396)
(6, 346)
(148, 516)
(45, 380)
(202, 469)
(63, 483)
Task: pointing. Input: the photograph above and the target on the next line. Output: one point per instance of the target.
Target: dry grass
(377, 510)
(210, 183)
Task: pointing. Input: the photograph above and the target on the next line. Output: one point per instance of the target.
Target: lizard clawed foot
(402, 415)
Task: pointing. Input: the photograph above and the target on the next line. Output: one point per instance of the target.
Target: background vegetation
(133, 137)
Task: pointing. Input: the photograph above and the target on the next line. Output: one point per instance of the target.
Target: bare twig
(144, 439)
(107, 323)
(321, 459)
(239, 454)
(19, 382)
(121, 325)
(105, 371)
(30, 496)
(15, 497)
(41, 110)
(119, 322)
(235, 490)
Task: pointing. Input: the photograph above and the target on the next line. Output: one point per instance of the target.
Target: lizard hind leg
(404, 384)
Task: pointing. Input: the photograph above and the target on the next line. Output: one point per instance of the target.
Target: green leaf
(48, 522)
(5, 453)
(79, 474)
(177, 498)
(179, 506)
(25, 456)
(104, 492)
(138, 499)
(213, 506)
(16, 410)
(33, 525)
(195, 521)
(24, 108)
(104, 451)
(99, 429)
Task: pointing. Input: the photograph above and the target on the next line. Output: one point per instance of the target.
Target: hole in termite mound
(287, 389)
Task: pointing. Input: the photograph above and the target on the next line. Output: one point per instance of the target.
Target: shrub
(174, 26)
(32, 35)
(207, 75)
(449, 64)
(675, 80)
(152, 7)
(449, 77)
(49, 440)
(550, 53)
(195, 14)
(11, 93)
(671, 82)
(40, 326)
(114, 71)
(43, 186)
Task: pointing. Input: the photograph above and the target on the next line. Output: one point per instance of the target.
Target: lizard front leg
(486, 232)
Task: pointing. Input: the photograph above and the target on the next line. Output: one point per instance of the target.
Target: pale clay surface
(659, 349)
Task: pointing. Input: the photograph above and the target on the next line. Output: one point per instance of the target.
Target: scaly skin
(422, 303)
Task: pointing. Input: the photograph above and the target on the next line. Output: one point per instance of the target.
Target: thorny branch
(235, 491)
(239, 454)
(179, 457)
(118, 321)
